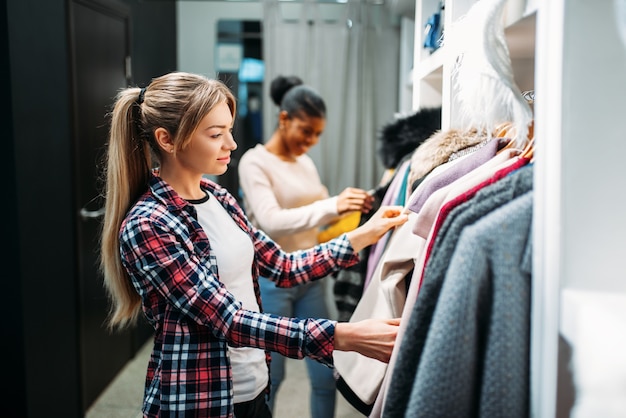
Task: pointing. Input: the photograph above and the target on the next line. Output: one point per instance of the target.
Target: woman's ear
(164, 140)
(283, 117)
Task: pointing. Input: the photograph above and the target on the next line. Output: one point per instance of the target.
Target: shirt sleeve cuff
(320, 340)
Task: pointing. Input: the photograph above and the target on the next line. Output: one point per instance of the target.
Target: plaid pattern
(168, 257)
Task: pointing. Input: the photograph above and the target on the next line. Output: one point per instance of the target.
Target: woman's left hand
(373, 338)
(383, 220)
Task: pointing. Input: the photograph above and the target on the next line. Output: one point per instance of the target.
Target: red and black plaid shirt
(169, 259)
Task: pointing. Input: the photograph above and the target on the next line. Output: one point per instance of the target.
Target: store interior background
(65, 60)
(59, 357)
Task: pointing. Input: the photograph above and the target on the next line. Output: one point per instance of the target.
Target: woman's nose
(231, 143)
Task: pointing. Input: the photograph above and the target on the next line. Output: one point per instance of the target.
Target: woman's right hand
(373, 338)
(353, 199)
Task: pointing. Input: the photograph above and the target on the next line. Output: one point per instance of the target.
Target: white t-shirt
(234, 253)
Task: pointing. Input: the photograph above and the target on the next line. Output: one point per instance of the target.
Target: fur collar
(437, 150)
(398, 139)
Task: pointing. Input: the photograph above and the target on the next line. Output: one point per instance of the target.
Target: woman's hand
(352, 199)
(383, 220)
(372, 338)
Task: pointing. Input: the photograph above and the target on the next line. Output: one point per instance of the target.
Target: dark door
(100, 47)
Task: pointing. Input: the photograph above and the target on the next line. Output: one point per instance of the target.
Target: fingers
(391, 211)
(374, 338)
(385, 339)
(392, 216)
(393, 321)
(352, 199)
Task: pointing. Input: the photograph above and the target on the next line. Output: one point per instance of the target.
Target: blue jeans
(305, 301)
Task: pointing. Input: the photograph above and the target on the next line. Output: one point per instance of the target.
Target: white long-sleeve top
(286, 200)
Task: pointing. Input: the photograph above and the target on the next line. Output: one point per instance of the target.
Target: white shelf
(432, 71)
(430, 67)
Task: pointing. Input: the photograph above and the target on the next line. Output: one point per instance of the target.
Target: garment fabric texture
(383, 298)
(349, 283)
(170, 263)
(348, 289)
(467, 164)
(377, 249)
(435, 224)
(287, 200)
(409, 360)
(400, 137)
(476, 358)
(438, 149)
(385, 295)
(487, 173)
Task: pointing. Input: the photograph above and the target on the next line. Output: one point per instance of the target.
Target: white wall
(580, 241)
(197, 30)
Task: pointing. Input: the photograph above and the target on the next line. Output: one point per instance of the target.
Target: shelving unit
(573, 54)
(431, 72)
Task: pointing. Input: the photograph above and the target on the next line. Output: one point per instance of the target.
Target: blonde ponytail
(127, 173)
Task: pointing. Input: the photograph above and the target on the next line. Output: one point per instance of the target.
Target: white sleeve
(264, 209)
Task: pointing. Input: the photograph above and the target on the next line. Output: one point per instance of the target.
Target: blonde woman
(178, 247)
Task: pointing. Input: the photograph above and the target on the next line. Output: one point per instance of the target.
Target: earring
(172, 150)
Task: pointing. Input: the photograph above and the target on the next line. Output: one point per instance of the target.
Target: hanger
(501, 130)
(508, 131)
(529, 149)
(505, 132)
(529, 95)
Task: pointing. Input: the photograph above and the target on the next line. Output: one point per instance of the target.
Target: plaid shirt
(168, 257)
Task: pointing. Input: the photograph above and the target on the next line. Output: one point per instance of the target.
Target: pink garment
(445, 210)
(433, 204)
(466, 164)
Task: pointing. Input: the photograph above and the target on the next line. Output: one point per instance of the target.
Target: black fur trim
(401, 137)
